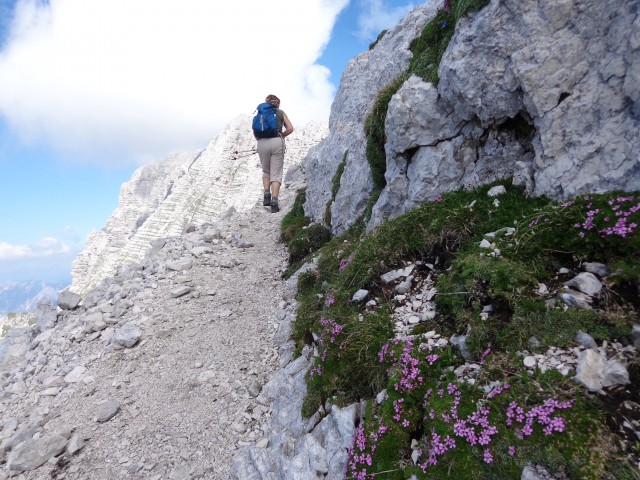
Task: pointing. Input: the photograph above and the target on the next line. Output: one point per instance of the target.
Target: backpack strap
(280, 116)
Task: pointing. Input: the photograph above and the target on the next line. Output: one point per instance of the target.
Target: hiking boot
(274, 207)
(267, 199)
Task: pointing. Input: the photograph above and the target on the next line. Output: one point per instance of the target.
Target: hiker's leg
(277, 163)
(264, 152)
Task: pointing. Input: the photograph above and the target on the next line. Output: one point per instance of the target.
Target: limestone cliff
(545, 93)
(162, 198)
(363, 78)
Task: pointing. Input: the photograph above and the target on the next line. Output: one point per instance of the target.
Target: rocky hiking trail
(158, 379)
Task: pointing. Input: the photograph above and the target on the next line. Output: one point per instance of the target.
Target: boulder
(590, 370)
(13, 347)
(585, 340)
(599, 269)
(180, 265)
(127, 335)
(586, 283)
(107, 411)
(68, 300)
(45, 315)
(35, 452)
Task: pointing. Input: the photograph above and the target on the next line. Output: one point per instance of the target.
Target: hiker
(267, 129)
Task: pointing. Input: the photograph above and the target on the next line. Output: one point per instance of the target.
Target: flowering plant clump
(327, 343)
(602, 223)
(619, 217)
(360, 454)
(345, 262)
(541, 414)
(331, 298)
(426, 402)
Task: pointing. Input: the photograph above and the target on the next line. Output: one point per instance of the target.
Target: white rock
(497, 190)
(76, 375)
(404, 286)
(128, 335)
(360, 295)
(263, 443)
(590, 370)
(615, 373)
(395, 274)
(381, 397)
(585, 282)
(107, 411)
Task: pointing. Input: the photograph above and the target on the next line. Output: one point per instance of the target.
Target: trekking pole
(243, 153)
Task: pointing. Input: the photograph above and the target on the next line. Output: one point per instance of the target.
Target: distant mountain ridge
(24, 296)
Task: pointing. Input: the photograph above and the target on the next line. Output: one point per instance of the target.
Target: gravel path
(186, 392)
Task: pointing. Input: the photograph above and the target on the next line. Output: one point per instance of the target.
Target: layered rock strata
(162, 199)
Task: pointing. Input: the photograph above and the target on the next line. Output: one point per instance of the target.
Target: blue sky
(88, 94)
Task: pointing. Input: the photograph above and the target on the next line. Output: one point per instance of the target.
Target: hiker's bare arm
(288, 128)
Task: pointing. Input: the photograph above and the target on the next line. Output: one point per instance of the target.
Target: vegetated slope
(467, 357)
(489, 334)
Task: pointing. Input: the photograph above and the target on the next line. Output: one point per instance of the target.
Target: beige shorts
(271, 152)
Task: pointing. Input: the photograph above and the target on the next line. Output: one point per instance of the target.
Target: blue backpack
(265, 123)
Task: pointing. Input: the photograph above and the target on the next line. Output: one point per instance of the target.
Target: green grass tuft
(301, 238)
(373, 44)
(295, 219)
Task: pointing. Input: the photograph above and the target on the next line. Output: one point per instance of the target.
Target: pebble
(107, 411)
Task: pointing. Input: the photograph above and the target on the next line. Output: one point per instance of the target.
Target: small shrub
(374, 129)
(307, 281)
(295, 219)
(301, 239)
(307, 241)
(373, 44)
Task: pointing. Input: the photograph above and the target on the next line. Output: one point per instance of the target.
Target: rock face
(544, 93)
(365, 75)
(161, 199)
(149, 186)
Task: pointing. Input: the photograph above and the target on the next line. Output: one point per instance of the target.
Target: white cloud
(45, 247)
(120, 79)
(377, 16)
